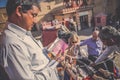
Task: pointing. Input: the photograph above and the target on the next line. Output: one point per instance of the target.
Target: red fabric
(87, 78)
(48, 36)
(116, 72)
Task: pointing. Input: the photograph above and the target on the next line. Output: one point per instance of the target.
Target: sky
(3, 3)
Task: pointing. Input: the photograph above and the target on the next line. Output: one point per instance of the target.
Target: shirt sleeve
(53, 64)
(84, 42)
(105, 54)
(17, 64)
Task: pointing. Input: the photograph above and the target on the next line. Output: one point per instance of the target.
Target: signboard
(58, 46)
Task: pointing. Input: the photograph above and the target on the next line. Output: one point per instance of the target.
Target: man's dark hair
(110, 33)
(25, 5)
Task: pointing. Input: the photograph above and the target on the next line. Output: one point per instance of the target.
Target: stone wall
(3, 18)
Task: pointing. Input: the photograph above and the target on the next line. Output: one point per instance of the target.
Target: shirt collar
(17, 30)
(96, 39)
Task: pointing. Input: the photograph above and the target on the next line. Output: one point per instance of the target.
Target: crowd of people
(22, 57)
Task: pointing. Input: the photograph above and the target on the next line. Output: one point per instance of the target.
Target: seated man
(94, 45)
(111, 38)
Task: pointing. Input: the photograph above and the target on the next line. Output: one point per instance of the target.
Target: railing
(73, 9)
(77, 3)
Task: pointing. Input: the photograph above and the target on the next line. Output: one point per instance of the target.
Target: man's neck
(95, 39)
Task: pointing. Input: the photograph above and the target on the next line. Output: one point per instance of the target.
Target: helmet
(110, 35)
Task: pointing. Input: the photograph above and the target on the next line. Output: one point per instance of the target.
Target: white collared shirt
(23, 57)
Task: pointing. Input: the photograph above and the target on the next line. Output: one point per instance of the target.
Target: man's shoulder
(99, 40)
(9, 38)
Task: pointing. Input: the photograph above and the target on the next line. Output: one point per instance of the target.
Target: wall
(3, 18)
(105, 6)
(46, 14)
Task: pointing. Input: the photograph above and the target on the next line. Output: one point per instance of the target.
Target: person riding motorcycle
(111, 39)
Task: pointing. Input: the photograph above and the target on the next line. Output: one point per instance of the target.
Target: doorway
(84, 22)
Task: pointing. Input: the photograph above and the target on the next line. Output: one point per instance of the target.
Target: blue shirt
(94, 46)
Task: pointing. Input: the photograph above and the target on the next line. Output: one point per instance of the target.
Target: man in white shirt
(21, 55)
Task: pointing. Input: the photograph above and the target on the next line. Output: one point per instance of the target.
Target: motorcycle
(105, 70)
(82, 70)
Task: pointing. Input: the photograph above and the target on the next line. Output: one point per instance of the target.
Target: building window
(98, 20)
(85, 2)
(84, 21)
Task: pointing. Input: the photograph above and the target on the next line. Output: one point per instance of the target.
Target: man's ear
(19, 11)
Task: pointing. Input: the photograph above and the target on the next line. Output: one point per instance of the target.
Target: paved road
(86, 33)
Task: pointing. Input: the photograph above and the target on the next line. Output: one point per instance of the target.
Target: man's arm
(17, 64)
(83, 42)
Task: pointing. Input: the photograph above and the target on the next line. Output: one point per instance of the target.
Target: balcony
(77, 8)
(77, 3)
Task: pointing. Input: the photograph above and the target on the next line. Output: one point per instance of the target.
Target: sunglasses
(74, 42)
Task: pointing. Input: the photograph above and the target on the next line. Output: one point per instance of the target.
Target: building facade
(110, 8)
(81, 11)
